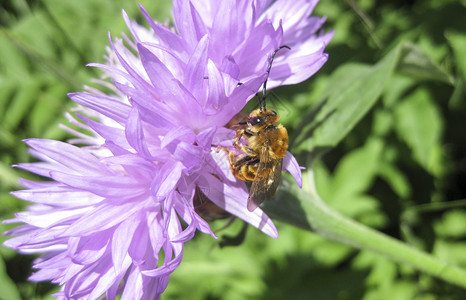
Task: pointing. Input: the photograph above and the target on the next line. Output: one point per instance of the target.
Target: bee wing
(263, 188)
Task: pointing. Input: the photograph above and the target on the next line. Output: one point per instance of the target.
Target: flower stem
(308, 211)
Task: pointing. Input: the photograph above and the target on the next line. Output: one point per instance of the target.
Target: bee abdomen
(280, 142)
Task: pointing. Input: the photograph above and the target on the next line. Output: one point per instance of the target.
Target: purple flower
(247, 32)
(113, 208)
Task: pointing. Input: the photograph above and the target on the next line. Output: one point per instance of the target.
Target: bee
(259, 159)
(206, 208)
(209, 211)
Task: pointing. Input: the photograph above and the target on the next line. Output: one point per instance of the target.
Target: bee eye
(255, 121)
(274, 113)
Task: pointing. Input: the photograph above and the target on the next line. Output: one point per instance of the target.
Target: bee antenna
(264, 88)
(260, 101)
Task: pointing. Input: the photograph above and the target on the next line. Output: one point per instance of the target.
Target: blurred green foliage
(382, 125)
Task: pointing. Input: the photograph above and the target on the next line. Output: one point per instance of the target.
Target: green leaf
(395, 179)
(353, 175)
(12, 63)
(21, 104)
(419, 124)
(415, 63)
(456, 101)
(452, 252)
(351, 94)
(452, 224)
(330, 253)
(400, 290)
(309, 212)
(216, 276)
(7, 89)
(8, 178)
(383, 271)
(355, 172)
(383, 122)
(48, 108)
(7, 286)
(397, 86)
(458, 43)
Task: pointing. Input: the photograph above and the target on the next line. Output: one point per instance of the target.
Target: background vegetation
(382, 127)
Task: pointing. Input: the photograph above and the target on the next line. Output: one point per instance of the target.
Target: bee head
(261, 118)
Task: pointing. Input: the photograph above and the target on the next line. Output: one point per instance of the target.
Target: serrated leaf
(419, 124)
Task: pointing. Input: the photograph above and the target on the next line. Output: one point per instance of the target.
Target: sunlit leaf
(348, 101)
(309, 212)
(419, 124)
(452, 224)
(383, 272)
(451, 252)
(403, 290)
(395, 178)
(458, 43)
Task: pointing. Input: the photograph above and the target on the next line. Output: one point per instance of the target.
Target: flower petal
(233, 197)
(69, 156)
(291, 165)
(115, 110)
(196, 69)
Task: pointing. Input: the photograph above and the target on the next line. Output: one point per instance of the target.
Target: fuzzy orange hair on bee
(260, 145)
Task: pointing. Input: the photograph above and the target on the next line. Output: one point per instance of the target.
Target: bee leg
(242, 166)
(249, 151)
(218, 148)
(228, 224)
(234, 240)
(239, 134)
(239, 166)
(245, 160)
(247, 169)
